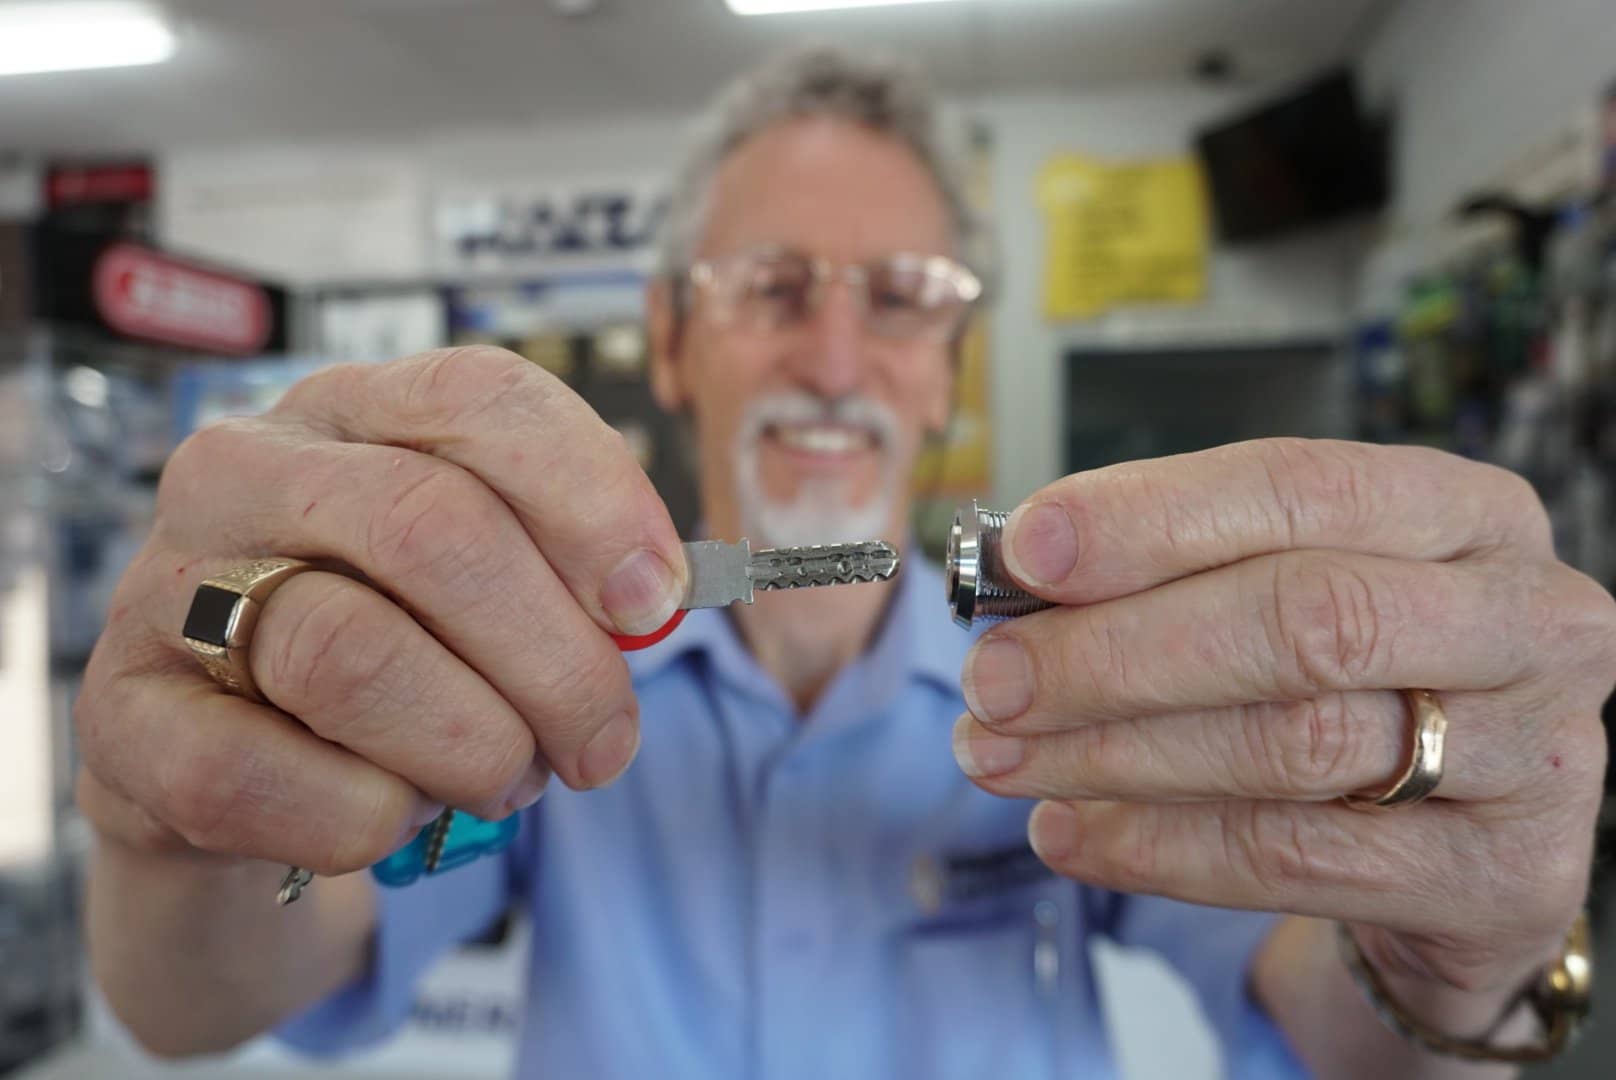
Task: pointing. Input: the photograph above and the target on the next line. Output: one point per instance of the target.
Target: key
(720, 574)
(292, 885)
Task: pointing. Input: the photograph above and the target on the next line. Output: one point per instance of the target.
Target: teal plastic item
(469, 838)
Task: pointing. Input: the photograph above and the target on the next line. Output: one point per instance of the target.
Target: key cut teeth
(823, 564)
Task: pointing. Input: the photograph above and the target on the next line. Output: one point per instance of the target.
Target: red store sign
(142, 294)
(78, 185)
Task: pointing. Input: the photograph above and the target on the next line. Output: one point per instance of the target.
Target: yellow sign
(1121, 233)
(961, 463)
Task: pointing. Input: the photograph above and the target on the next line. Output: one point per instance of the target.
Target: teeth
(823, 440)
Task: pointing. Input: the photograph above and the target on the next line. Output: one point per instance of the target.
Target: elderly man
(1206, 713)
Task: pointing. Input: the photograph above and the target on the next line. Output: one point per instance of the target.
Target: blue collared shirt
(768, 895)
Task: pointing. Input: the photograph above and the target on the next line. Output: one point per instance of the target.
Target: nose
(830, 357)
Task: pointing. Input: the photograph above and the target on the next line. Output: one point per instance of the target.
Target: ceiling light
(38, 37)
(783, 7)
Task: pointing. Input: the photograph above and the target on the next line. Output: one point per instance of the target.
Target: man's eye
(780, 290)
(893, 300)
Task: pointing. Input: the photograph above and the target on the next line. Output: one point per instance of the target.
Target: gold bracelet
(1559, 997)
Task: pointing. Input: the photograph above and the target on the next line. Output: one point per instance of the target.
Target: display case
(84, 432)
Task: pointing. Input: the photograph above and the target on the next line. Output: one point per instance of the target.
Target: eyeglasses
(903, 297)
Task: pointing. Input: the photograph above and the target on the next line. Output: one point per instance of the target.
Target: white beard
(822, 510)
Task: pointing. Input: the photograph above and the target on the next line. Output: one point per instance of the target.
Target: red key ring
(635, 642)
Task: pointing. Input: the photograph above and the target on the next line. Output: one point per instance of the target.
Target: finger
(236, 778)
(360, 672)
(570, 478)
(1406, 871)
(1287, 627)
(1355, 743)
(121, 819)
(1110, 532)
(437, 540)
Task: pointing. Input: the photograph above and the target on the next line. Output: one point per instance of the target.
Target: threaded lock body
(979, 588)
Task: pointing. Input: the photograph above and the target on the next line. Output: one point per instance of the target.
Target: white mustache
(820, 512)
(797, 407)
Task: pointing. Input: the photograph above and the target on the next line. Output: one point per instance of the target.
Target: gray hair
(882, 93)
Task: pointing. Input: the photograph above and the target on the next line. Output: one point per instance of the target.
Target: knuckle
(1577, 749)
(101, 708)
(89, 718)
(1519, 507)
(114, 813)
(454, 386)
(204, 799)
(1140, 494)
(1096, 656)
(582, 688)
(1102, 752)
(365, 838)
(1311, 748)
(1274, 848)
(436, 522)
(1589, 754)
(1548, 873)
(1584, 616)
(334, 381)
(487, 756)
(196, 461)
(1330, 622)
(508, 758)
(334, 650)
(1562, 882)
(594, 458)
(1317, 478)
(1130, 859)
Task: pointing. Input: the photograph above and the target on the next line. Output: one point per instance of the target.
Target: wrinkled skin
(1239, 623)
(486, 569)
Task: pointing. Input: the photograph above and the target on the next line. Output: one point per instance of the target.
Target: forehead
(828, 187)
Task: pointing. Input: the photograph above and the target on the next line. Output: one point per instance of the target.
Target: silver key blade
(722, 574)
(823, 564)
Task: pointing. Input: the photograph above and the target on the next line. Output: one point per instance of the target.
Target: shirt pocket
(981, 984)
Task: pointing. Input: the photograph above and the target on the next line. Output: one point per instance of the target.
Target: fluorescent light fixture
(37, 37)
(785, 7)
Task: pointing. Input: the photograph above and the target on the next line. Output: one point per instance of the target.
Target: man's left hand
(1236, 627)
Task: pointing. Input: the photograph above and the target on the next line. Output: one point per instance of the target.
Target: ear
(665, 334)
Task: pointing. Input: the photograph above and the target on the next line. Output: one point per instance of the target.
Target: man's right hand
(480, 533)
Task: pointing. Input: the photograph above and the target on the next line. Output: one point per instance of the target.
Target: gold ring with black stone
(224, 612)
(219, 628)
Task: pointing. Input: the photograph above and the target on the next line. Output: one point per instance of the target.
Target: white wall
(1485, 93)
(320, 212)
(1479, 83)
(1293, 289)
(313, 212)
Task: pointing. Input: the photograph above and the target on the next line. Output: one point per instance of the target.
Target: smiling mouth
(823, 440)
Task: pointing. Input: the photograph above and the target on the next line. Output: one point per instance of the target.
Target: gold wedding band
(1424, 771)
(224, 611)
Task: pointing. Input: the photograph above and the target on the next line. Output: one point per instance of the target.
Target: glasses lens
(915, 296)
(906, 296)
(772, 291)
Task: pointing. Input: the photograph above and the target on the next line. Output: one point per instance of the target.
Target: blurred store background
(1214, 219)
